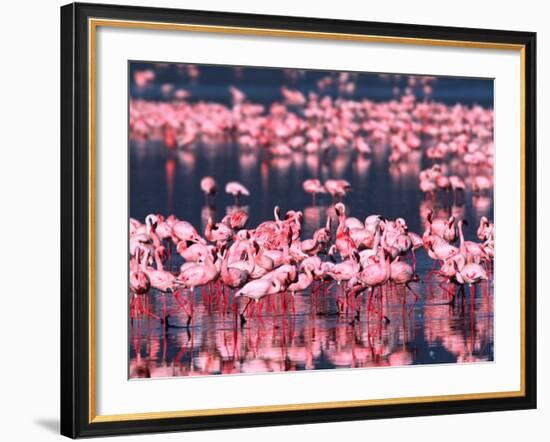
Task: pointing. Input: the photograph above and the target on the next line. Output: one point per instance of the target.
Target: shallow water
(286, 333)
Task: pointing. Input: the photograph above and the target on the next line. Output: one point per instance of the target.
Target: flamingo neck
(376, 238)
(251, 259)
(144, 260)
(158, 261)
(461, 236)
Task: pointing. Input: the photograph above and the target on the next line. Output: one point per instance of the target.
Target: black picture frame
(75, 194)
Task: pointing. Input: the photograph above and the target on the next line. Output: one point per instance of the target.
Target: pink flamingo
(237, 190)
(481, 184)
(256, 290)
(471, 273)
(485, 229)
(344, 243)
(444, 228)
(232, 276)
(373, 276)
(439, 248)
(305, 279)
(313, 187)
(337, 188)
(160, 279)
(345, 270)
(236, 220)
(219, 233)
(209, 187)
(402, 273)
(139, 282)
(470, 248)
(184, 231)
(196, 275)
(194, 253)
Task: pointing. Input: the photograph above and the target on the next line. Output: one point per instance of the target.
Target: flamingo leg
(413, 292)
(242, 314)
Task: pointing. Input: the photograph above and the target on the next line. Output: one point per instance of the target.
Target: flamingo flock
(358, 257)
(449, 137)
(331, 259)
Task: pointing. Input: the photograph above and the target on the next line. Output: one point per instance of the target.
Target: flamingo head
(151, 221)
(213, 251)
(243, 234)
(291, 275)
(401, 223)
(140, 253)
(340, 209)
(429, 215)
(448, 268)
(331, 252)
(255, 247)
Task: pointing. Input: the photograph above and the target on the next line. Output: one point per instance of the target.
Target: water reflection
(303, 332)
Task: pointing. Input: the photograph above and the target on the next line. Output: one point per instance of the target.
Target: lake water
(304, 331)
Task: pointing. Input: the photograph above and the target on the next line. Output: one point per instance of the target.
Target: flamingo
(237, 190)
(256, 290)
(470, 248)
(471, 273)
(233, 277)
(208, 187)
(160, 279)
(313, 187)
(439, 248)
(236, 220)
(194, 253)
(197, 275)
(337, 188)
(219, 233)
(485, 229)
(445, 228)
(184, 231)
(373, 276)
(457, 185)
(377, 273)
(305, 279)
(345, 270)
(402, 273)
(481, 184)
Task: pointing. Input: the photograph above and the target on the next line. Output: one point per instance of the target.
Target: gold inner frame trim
(93, 24)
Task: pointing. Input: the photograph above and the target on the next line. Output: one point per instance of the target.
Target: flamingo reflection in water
(294, 290)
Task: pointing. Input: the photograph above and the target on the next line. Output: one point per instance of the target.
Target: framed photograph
(275, 220)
